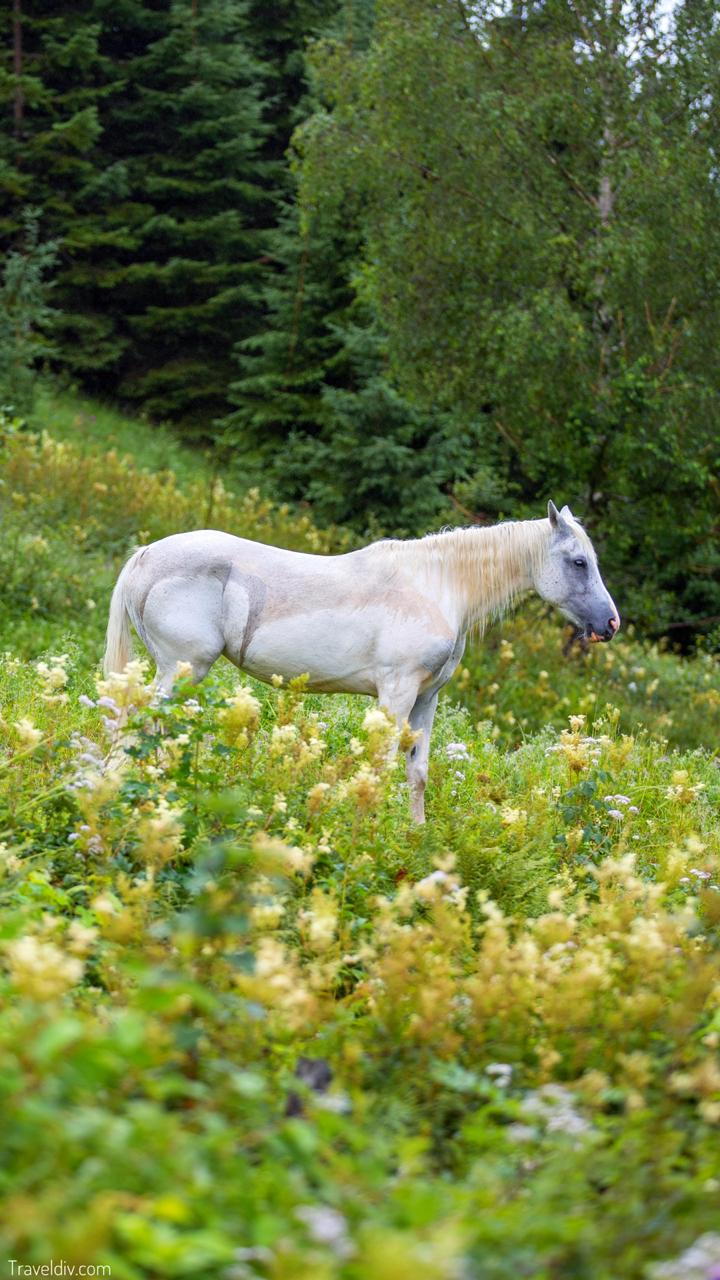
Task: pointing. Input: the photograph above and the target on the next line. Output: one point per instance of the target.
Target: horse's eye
(580, 563)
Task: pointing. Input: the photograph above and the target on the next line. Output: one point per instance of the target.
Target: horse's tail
(118, 640)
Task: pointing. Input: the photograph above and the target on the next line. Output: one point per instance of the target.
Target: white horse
(389, 620)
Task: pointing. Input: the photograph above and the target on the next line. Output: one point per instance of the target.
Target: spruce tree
(53, 82)
(313, 400)
(187, 130)
(25, 316)
(316, 406)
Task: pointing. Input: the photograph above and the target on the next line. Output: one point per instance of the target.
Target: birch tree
(543, 245)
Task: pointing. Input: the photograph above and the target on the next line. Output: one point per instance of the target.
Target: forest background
(413, 263)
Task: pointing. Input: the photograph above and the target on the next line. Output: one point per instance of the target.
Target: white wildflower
(701, 1261)
(328, 1227)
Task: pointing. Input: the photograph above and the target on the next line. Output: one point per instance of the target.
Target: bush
(511, 1017)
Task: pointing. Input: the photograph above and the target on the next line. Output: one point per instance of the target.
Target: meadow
(255, 1024)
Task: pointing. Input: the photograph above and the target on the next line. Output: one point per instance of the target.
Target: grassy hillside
(254, 1024)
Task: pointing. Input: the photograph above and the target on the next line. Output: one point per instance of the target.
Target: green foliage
(72, 514)
(184, 285)
(206, 898)
(316, 405)
(197, 899)
(139, 132)
(520, 678)
(540, 215)
(51, 156)
(24, 317)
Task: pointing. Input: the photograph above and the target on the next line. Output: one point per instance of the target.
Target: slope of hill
(255, 1024)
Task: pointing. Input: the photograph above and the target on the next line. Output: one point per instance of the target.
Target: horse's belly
(337, 655)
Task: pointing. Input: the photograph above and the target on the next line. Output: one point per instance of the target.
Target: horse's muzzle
(606, 633)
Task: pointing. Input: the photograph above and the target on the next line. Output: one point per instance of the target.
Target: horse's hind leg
(182, 620)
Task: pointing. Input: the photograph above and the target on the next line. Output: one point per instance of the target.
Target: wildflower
(426, 887)
(377, 721)
(617, 814)
(518, 1132)
(85, 701)
(27, 733)
(54, 678)
(40, 970)
(267, 914)
(128, 688)
(277, 681)
(299, 860)
(277, 856)
(457, 751)
(555, 1107)
(240, 717)
(318, 921)
(500, 1073)
(283, 739)
(81, 937)
(364, 787)
(681, 789)
(160, 833)
(513, 817)
(9, 862)
(317, 796)
(104, 906)
(574, 838)
(694, 845)
(328, 1227)
(577, 723)
(701, 1261)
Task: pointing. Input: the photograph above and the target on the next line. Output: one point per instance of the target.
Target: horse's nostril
(613, 624)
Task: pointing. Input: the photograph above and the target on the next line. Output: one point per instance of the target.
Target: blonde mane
(487, 567)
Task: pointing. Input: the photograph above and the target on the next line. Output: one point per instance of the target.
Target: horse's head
(569, 578)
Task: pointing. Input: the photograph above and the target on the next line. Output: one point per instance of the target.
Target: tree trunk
(604, 320)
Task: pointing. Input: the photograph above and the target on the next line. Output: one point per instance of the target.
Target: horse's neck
(489, 568)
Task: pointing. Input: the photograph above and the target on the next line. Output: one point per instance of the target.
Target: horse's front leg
(398, 695)
(421, 720)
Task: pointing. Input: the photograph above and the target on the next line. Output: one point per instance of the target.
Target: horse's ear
(566, 514)
(553, 515)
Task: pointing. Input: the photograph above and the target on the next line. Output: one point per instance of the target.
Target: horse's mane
(488, 565)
